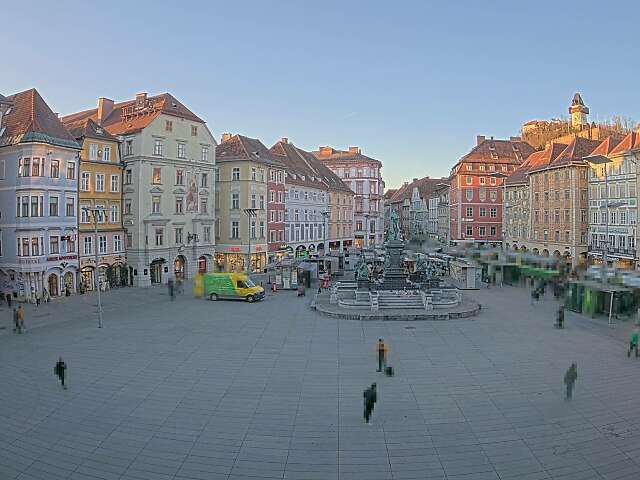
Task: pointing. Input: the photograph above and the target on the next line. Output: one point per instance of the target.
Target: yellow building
(100, 186)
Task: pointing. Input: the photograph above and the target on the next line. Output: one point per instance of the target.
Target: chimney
(141, 99)
(479, 139)
(515, 139)
(105, 107)
(284, 140)
(226, 136)
(406, 183)
(415, 180)
(355, 150)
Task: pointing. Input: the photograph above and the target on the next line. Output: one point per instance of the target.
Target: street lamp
(251, 213)
(95, 212)
(325, 215)
(503, 176)
(366, 230)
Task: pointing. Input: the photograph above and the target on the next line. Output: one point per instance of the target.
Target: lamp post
(95, 212)
(325, 216)
(251, 213)
(366, 231)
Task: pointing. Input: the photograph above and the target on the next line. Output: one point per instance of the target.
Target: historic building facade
(100, 178)
(476, 191)
(444, 215)
(517, 206)
(276, 181)
(614, 183)
(362, 174)
(559, 203)
(306, 198)
(168, 185)
(244, 165)
(38, 199)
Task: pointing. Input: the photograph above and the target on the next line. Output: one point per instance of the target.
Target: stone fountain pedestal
(394, 278)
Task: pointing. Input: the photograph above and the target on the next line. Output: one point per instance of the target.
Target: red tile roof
(31, 120)
(389, 193)
(426, 186)
(304, 169)
(536, 161)
(239, 147)
(607, 145)
(498, 152)
(631, 141)
(88, 129)
(132, 116)
(577, 149)
(353, 155)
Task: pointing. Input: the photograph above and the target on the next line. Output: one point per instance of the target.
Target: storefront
(234, 260)
(157, 268)
(202, 264)
(180, 268)
(301, 251)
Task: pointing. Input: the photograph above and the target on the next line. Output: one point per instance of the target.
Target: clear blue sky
(412, 83)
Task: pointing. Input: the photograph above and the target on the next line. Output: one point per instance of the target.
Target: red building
(277, 243)
(477, 189)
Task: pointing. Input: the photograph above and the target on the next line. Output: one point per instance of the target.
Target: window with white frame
(93, 151)
(88, 250)
(155, 204)
(85, 180)
(235, 173)
(157, 147)
(182, 150)
(115, 183)
(55, 168)
(71, 171)
(99, 182)
(205, 154)
(115, 214)
(235, 229)
(206, 231)
(117, 243)
(106, 154)
(102, 244)
(159, 237)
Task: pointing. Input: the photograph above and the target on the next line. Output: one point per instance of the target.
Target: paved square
(193, 389)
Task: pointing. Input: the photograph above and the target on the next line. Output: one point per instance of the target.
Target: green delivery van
(236, 286)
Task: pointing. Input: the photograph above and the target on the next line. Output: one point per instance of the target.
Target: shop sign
(258, 248)
(30, 261)
(234, 249)
(55, 258)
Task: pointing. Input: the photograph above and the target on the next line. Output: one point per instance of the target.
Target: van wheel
(250, 299)
(213, 297)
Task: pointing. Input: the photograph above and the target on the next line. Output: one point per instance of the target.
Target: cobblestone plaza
(227, 390)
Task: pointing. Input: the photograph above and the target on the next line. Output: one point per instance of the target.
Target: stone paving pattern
(193, 389)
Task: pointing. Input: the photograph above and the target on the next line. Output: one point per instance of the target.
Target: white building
(38, 200)
(621, 179)
(168, 185)
(306, 198)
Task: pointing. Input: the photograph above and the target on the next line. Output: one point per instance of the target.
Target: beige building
(100, 188)
(243, 165)
(560, 205)
(517, 221)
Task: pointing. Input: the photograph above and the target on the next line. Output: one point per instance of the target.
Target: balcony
(596, 251)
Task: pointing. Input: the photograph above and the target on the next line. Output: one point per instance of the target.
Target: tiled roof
(88, 129)
(577, 149)
(631, 141)
(31, 120)
(399, 196)
(128, 117)
(330, 154)
(239, 147)
(4, 100)
(536, 161)
(304, 169)
(389, 193)
(607, 145)
(498, 152)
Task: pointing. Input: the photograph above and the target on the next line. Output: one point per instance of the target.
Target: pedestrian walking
(60, 371)
(560, 322)
(37, 300)
(16, 321)
(570, 379)
(20, 314)
(382, 349)
(9, 298)
(170, 286)
(370, 398)
(633, 342)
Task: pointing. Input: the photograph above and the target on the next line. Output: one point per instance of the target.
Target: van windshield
(249, 283)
